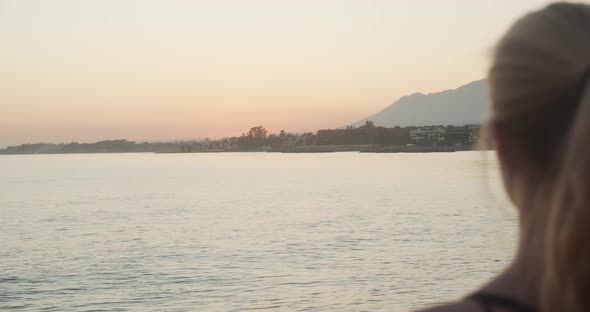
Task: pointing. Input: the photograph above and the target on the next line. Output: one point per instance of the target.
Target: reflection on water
(248, 231)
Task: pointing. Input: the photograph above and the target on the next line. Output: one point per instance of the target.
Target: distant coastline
(366, 138)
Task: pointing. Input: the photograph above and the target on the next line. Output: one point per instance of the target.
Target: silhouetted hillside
(464, 105)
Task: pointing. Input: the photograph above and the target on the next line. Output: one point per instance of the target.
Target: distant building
(428, 135)
(474, 133)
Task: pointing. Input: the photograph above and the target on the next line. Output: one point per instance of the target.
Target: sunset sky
(88, 70)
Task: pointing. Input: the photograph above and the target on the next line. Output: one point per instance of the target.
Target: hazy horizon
(156, 70)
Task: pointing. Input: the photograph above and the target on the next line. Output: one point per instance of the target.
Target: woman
(540, 126)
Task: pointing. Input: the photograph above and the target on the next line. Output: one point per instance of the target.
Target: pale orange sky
(152, 70)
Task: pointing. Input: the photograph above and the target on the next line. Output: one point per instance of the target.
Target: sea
(249, 231)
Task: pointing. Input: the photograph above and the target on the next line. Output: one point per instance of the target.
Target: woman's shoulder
(461, 306)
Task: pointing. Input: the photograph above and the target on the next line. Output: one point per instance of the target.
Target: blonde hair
(541, 97)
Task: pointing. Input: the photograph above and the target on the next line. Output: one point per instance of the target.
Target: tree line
(258, 138)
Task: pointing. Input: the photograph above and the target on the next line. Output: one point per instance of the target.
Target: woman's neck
(522, 279)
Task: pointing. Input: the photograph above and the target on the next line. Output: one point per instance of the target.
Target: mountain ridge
(466, 104)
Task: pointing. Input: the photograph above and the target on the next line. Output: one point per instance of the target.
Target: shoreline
(311, 149)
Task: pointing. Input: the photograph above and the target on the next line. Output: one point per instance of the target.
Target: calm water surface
(248, 231)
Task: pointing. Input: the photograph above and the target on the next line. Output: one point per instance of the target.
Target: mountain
(464, 105)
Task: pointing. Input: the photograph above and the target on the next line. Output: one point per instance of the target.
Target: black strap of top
(487, 301)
